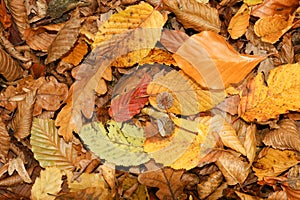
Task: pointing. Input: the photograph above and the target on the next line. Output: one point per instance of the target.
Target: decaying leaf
(10, 69)
(275, 162)
(239, 22)
(65, 38)
(21, 123)
(47, 185)
(121, 145)
(141, 31)
(271, 28)
(205, 188)
(18, 165)
(193, 14)
(212, 67)
(167, 180)
(263, 102)
(175, 93)
(4, 142)
(285, 137)
(48, 148)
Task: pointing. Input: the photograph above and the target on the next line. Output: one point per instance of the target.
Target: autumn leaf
(252, 2)
(263, 102)
(88, 193)
(48, 148)
(167, 180)
(193, 14)
(212, 67)
(4, 142)
(75, 56)
(205, 188)
(124, 107)
(10, 69)
(239, 22)
(5, 18)
(143, 22)
(122, 144)
(17, 164)
(47, 185)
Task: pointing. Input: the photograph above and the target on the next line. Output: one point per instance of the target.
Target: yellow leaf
(138, 27)
(239, 22)
(274, 163)
(176, 93)
(252, 2)
(280, 94)
(47, 185)
(271, 28)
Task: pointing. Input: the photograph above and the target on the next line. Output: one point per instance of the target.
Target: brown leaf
(278, 195)
(205, 188)
(21, 123)
(233, 168)
(91, 193)
(239, 22)
(193, 14)
(65, 38)
(167, 180)
(4, 142)
(5, 18)
(18, 165)
(173, 39)
(284, 8)
(285, 137)
(287, 49)
(39, 39)
(9, 68)
(18, 11)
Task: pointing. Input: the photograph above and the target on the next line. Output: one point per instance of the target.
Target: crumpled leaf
(21, 123)
(193, 14)
(121, 145)
(125, 106)
(10, 69)
(205, 188)
(141, 31)
(65, 38)
(239, 22)
(212, 62)
(284, 8)
(167, 180)
(263, 102)
(4, 142)
(285, 137)
(271, 28)
(48, 148)
(274, 162)
(175, 93)
(47, 185)
(233, 168)
(18, 165)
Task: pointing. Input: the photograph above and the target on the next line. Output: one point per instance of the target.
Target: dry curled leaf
(18, 165)
(4, 142)
(205, 188)
(285, 137)
(193, 14)
(65, 38)
(10, 69)
(239, 22)
(21, 123)
(167, 180)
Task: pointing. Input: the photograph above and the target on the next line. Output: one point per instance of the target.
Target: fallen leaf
(92, 193)
(18, 165)
(278, 195)
(4, 142)
(285, 137)
(75, 56)
(48, 148)
(5, 18)
(167, 180)
(212, 67)
(143, 22)
(193, 14)
(172, 39)
(133, 190)
(39, 39)
(252, 2)
(10, 69)
(271, 28)
(121, 145)
(274, 162)
(205, 188)
(263, 102)
(239, 22)
(47, 185)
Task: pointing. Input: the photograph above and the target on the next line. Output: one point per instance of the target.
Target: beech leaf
(205, 188)
(239, 22)
(10, 69)
(4, 142)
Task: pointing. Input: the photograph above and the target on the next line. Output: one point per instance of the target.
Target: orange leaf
(212, 62)
(271, 28)
(75, 56)
(4, 17)
(239, 22)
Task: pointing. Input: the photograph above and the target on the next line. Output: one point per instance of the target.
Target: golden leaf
(193, 14)
(48, 148)
(274, 162)
(239, 22)
(271, 28)
(4, 142)
(10, 69)
(281, 94)
(212, 62)
(65, 38)
(285, 137)
(252, 2)
(138, 27)
(176, 93)
(47, 185)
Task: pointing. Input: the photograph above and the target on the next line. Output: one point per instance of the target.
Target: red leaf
(125, 106)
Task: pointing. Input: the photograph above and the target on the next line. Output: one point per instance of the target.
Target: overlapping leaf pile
(109, 99)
